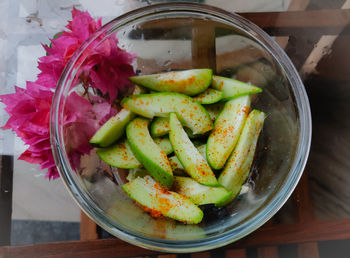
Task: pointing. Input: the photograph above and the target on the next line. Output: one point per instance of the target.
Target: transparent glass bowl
(183, 36)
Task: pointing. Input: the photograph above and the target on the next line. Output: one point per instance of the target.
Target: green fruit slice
(119, 155)
(160, 126)
(192, 114)
(136, 172)
(164, 144)
(238, 166)
(232, 88)
(209, 96)
(193, 162)
(158, 200)
(189, 82)
(114, 128)
(200, 194)
(176, 165)
(227, 128)
(214, 110)
(152, 157)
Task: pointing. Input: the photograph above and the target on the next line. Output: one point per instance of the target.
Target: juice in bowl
(205, 142)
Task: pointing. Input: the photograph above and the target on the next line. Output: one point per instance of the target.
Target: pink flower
(106, 67)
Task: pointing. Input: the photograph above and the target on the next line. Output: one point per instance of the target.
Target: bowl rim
(265, 213)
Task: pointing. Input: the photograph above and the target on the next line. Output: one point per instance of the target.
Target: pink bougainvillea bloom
(106, 68)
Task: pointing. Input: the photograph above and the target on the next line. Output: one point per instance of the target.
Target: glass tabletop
(320, 54)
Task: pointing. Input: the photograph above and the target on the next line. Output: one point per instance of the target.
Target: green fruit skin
(232, 88)
(200, 194)
(214, 110)
(160, 126)
(176, 165)
(238, 166)
(170, 204)
(119, 155)
(191, 114)
(189, 82)
(164, 144)
(112, 130)
(190, 158)
(209, 96)
(152, 157)
(227, 129)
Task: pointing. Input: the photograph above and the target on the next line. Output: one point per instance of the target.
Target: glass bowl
(170, 37)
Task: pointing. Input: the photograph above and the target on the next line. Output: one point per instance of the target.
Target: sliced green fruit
(189, 82)
(113, 129)
(136, 172)
(176, 165)
(203, 150)
(152, 157)
(209, 96)
(192, 114)
(160, 126)
(238, 166)
(164, 144)
(232, 88)
(214, 110)
(156, 199)
(200, 194)
(227, 127)
(119, 155)
(193, 162)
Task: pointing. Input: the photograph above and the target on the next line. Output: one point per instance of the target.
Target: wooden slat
(88, 228)
(101, 248)
(268, 252)
(203, 47)
(283, 23)
(296, 233)
(6, 178)
(272, 235)
(201, 255)
(329, 22)
(305, 214)
(167, 256)
(308, 250)
(236, 253)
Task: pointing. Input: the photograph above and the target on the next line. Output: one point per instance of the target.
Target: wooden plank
(88, 228)
(305, 213)
(203, 47)
(282, 23)
(271, 235)
(101, 248)
(295, 5)
(268, 252)
(6, 183)
(326, 41)
(167, 256)
(330, 21)
(308, 250)
(236, 253)
(201, 255)
(302, 200)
